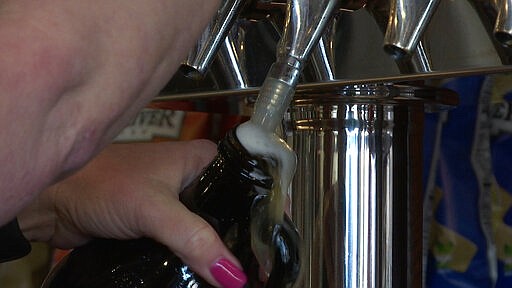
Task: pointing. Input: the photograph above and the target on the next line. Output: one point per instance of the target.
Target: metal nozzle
(231, 59)
(305, 23)
(407, 22)
(322, 57)
(503, 27)
(495, 17)
(198, 61)
(418, 61)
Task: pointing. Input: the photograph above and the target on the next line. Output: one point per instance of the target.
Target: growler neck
(237, 159)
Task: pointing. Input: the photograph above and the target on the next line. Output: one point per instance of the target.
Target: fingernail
(227, 274)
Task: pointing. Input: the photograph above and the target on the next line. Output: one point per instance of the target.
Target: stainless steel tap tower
(357, 193)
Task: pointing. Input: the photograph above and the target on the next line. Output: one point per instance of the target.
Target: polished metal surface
(200, 59)
(503, 27)
(305, 24)
(357, 193)
(322, 57)
(404, 43)
(421, 59)
(231, 56)
(357, 197)
(459, 39)
(493, 15)
(407, 22)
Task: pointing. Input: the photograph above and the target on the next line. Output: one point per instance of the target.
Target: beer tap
(407, 22)
(305, 23)
(323, 56)
(495, 17)
(200, 59)
(416, 60)
(231, 59)
(503, 26)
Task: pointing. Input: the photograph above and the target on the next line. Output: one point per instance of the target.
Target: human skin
(130, 191)
(73, 74)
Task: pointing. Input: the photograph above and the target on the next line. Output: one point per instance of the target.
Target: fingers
(198, 154)
(193, 240)
(138, 185)
(189, 236)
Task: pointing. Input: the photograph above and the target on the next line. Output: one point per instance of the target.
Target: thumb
(188, 235)
(192, 239)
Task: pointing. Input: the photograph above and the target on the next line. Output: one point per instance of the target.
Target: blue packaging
(457, 198)
(501, 158)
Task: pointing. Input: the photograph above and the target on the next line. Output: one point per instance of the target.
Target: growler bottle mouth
(253, 167)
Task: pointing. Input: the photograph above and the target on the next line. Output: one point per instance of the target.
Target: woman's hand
(130, 191)
(74, 73)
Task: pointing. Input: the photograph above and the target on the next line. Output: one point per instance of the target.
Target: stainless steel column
(357, 196)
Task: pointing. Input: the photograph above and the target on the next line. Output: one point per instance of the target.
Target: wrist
(37, 220)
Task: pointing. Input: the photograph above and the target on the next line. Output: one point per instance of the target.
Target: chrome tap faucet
(503, 26)
(325, 50)
(407, 22)
(200, 59)
(231, 59)
(495, 16)
(305, 23)
(408, 61)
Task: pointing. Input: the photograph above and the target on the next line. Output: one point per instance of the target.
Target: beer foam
(260, 142)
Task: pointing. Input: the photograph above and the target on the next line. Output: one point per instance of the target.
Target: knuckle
(200, 240)
(202, 148)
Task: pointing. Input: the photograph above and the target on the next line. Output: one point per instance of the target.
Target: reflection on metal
(304, 25)
(407, 22)
(232, 94)
(357, 196)
(421, 59)
(493, 17)
(413, 59)
(503, 26)
(322, 58)
(459, 39)
(231, 63)
(200, 59)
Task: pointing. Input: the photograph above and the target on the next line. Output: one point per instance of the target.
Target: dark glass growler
(234, 185)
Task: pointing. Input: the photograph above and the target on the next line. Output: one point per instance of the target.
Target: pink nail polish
(227, 274)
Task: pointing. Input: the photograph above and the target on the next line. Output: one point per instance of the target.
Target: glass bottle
(233, 187)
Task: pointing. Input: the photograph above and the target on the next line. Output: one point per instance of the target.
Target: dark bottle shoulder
(228, 185)
(106, 263)
(233, 156)
(223, 195)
